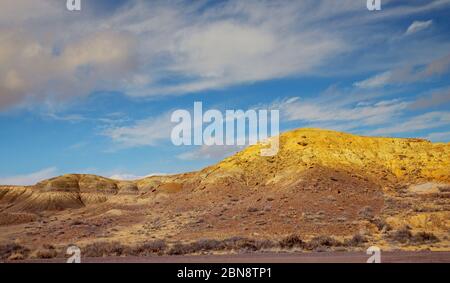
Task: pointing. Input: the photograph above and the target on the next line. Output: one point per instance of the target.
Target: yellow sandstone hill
(410, 160)
(320, 183)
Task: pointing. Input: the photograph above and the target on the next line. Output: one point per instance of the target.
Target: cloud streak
(145, 132)
(417, 26)
(407, 74)
(434, 98)
(29, 179)
(430, 120)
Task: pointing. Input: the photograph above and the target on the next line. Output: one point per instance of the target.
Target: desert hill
(320, 183)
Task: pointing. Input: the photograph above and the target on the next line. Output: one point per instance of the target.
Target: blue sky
(92, 91)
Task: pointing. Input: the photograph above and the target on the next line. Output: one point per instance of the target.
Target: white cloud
(376, 81)
(73, 118)
(365, 114)
(433, 98)
(408, 74)
(417, 26)
(31, 70)
(53, 55)
(49, 54)
(428, 120)
(344, 110)
(142, 133)
(361, 112)
(127, 176)
(29, 179)
(226, 53)
(210, 152)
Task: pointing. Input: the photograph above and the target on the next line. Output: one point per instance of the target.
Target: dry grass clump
(405, 236)
(366, 213)
(202, 245)
(246, 244)
(242, 244)
(402, 235)
(46, 253)
(425, 238)
(207, 245)
(157, 247)
(235, 243)
(16, 256)
(291, 241)
(356, 241)
(322, 242)
(103, 249)
(381, 224)
(179, 249)
(13, 251)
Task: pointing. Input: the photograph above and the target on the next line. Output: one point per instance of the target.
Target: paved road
(323, 257)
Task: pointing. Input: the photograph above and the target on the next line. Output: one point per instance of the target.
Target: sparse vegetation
(207, 245)
(291, 241)
(321, 242)
(46, 253)
(178, 249)
(405, 236)
(424, 238)
(101, 249)
(381, 224)
(239, 244)
(150, 248)
(366, 213)
(16, 256)
(245, 244)
(402, 235)
(8, 250)
(356, 241)
(235, 243)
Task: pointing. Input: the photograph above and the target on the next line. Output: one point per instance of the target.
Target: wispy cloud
(351, 114)
(417, 26)
(432, 99)
(29, 179)
(128, 176)
(141, 133)
(73, 118)
(407, 74)
(430, 120)
(378, 80)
